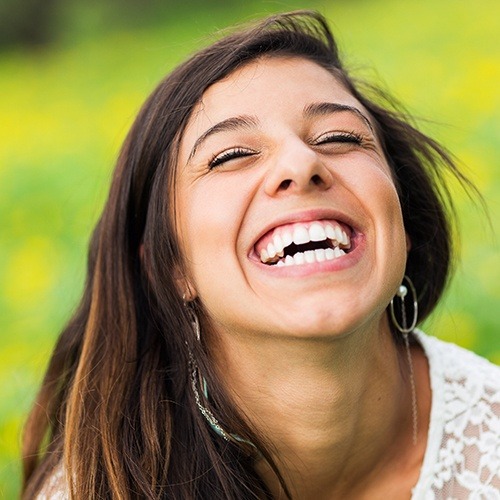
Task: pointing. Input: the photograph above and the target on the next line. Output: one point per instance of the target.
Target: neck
(334, 410)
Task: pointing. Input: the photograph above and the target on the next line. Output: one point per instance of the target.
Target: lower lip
(338, 264)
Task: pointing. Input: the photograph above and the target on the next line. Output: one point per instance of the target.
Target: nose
(297, 169)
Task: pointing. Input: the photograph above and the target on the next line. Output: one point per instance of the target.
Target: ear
(186, 289)
(184, 285)
(408, 243)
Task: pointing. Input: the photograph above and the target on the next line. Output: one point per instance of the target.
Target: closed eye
(339, 137)
(228, 155)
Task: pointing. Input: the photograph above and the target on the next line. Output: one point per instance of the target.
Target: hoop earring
(405, 330)
(402, 293)
(197, 378)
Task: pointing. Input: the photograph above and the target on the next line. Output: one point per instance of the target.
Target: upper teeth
(301, 234)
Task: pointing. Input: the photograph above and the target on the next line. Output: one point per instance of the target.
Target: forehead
(269, 77)
(266, 88)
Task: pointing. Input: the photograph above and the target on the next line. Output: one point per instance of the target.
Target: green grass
(65, 111)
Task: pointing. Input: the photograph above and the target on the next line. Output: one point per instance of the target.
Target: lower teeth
(311, 256)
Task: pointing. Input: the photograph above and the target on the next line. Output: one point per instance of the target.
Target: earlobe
(184, 286)
(188, 292)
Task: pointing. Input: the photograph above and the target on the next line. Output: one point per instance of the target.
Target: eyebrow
(328, 108)
(247, 121)
(231, 124)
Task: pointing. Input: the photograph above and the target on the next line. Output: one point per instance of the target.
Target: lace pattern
(462, 459)
(55, 488)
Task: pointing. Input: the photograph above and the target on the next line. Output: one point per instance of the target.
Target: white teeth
(320, 254)
(338, 234)
(300, 235)
(287, 238)
(278, 243)
(329, 254)
(342, 236)
(316, 232)
(345, 239)
(271, 251)
(330, 232)
(336, 252)
(309, 256)
(298, 258)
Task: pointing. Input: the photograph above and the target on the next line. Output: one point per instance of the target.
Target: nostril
(285, 184)
(316, 180)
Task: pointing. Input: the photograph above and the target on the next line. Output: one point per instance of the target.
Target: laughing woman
(273, 235)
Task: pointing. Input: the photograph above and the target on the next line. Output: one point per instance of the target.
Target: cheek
(394, 245)
(210, 217)
(381, 201)
(390, 217)
(371, 180)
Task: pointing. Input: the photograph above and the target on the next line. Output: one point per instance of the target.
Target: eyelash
(340, 137)
(333, 137)
(228, 155)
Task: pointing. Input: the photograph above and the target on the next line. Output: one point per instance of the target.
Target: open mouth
(305, 243)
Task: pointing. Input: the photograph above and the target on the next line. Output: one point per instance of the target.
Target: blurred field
(65, 110)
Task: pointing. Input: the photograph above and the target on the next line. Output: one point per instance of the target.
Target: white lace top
(462, 460)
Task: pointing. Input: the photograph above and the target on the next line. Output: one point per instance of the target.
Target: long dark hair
(116, 410)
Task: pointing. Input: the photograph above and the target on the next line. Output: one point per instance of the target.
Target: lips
(302, 243)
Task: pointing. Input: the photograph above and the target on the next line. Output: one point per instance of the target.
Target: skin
(306, 351)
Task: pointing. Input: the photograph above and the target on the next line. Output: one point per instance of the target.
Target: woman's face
(287, 214)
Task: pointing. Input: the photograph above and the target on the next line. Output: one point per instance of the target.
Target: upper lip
(308, 216)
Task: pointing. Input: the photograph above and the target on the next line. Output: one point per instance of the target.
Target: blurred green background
(72, 77)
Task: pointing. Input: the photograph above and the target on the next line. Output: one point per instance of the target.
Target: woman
(272, 236)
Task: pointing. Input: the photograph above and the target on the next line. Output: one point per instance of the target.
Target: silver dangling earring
(405, 330)
(195, 378)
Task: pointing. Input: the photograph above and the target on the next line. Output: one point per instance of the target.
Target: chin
(337, 317)
(320, 324)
